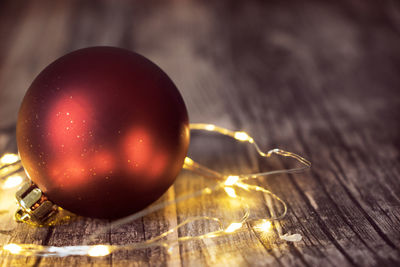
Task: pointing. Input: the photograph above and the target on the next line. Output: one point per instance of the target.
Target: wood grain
(318, 78)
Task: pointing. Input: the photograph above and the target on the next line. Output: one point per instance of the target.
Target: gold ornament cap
(33, 205)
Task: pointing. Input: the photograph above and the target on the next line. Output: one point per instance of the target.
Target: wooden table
(316, 78)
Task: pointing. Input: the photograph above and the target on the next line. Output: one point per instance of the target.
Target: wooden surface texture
(321, 79)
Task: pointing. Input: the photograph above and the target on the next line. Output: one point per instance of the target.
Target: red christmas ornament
(103, 132)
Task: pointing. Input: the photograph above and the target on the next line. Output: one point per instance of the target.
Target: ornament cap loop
(33, 205)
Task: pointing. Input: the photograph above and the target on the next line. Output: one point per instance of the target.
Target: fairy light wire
(227, 182)
(244, 137)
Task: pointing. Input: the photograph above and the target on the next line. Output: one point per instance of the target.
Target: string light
(242, 136)
(226, 182)
(231, 192)
(99, 251)
(9, 164)
(231, 180)
(12, 181)
(233, 227)
(9, 158)
(263, 226)
(12, 248)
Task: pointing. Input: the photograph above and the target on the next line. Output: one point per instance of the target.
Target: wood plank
(317, 78)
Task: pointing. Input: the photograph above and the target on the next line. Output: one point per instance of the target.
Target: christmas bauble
(103, 132)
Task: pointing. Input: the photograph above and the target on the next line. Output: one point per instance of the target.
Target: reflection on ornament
(226, 182)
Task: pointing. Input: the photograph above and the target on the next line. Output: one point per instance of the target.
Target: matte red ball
(103, 132)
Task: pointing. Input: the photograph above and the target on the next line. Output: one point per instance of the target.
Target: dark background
(318, 78)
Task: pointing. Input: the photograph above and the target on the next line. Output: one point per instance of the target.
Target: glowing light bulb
(264, 226)
(233, 227)
(12, 248)
(230, 191)
(189, 161)
(12, 181)
(207, 191)
(9, 159)
(242, 136)
(231, 180)
(242, 185)
(99, 251)
(209, 127)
